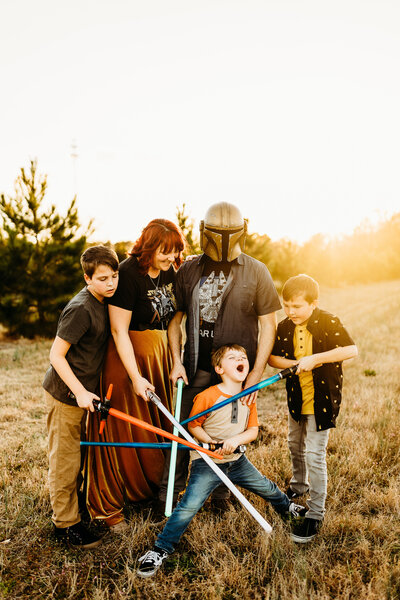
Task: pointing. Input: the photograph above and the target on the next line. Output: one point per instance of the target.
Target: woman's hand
(140, 387)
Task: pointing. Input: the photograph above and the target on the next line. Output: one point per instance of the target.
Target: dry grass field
(356, 555)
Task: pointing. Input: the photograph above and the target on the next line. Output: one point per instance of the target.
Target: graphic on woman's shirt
(163, 302)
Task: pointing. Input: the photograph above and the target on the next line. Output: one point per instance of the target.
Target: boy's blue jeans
(202, 482)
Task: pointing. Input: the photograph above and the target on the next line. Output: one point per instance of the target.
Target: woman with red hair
(137, 359)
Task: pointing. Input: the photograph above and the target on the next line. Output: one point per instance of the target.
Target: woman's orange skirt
(115, 476)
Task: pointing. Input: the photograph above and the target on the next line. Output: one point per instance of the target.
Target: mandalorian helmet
(223, 232)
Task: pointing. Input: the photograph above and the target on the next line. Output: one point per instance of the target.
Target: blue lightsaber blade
(161, 445)
(254, 388)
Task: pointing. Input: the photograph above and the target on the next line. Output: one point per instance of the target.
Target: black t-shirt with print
(152, 301)
(212, 285)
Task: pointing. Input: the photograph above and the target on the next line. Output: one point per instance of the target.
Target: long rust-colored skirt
(115, 476)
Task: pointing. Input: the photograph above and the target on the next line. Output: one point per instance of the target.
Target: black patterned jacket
(327, 333)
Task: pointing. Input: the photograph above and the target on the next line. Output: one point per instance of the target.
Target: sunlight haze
(288, 109)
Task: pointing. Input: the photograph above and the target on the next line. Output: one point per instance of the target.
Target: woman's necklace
(157, 280)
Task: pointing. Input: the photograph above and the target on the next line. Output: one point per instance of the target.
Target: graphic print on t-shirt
(163, 302)
(210, 300)
(210, 296)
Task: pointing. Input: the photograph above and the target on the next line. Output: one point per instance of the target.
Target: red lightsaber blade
(105, 410)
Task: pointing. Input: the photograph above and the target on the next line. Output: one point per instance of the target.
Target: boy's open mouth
(240, 368)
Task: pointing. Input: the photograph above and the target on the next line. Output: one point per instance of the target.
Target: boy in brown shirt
(76, 359)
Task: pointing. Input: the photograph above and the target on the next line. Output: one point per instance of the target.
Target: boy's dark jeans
(203, 481)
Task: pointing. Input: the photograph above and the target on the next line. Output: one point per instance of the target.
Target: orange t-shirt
(225, 422)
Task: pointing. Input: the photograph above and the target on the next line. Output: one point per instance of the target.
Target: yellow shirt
(302, 341)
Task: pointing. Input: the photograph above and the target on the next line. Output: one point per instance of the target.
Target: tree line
(40, 250)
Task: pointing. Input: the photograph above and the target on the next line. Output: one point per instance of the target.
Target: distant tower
(74, 156)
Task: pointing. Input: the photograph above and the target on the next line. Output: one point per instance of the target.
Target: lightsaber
(151, 445)
(254, 513)
(254, 388)
(101, 408)
(162, 445)
(172, 462)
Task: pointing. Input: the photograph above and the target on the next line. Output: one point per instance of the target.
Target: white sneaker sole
(302, 540)
(147, 574)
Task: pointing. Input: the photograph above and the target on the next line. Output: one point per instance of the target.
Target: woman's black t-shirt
(152, 301)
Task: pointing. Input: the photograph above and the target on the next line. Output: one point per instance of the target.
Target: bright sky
(290, 109)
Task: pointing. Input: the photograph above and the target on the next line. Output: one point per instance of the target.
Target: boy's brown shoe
(77, 536)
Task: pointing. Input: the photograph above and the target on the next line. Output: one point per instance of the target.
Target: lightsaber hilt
(102, 408)
(285, 373)
(106, 410)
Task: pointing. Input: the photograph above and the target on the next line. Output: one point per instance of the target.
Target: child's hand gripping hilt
(215, 445)
(103, 408)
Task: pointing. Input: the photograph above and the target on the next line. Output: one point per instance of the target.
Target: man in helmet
(227, 297)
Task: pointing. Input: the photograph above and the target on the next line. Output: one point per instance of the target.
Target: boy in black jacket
(316, 341)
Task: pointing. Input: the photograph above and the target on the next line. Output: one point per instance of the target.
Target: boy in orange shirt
(234, 424)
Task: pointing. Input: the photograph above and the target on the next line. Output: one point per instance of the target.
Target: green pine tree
(187, 227)
(39, 257)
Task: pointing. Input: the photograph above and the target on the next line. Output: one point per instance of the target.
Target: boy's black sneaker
(151, 562)
(77, 536)
(292, 494)
(307, 530)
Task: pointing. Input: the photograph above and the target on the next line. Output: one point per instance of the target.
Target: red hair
(161, 235)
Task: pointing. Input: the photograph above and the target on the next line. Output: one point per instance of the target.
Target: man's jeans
(202, 482)
(308, 452)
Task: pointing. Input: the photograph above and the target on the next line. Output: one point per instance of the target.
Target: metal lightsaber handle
(254, 388)
(254, 513)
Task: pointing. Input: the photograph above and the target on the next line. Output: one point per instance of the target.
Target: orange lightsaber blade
(139, 423)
